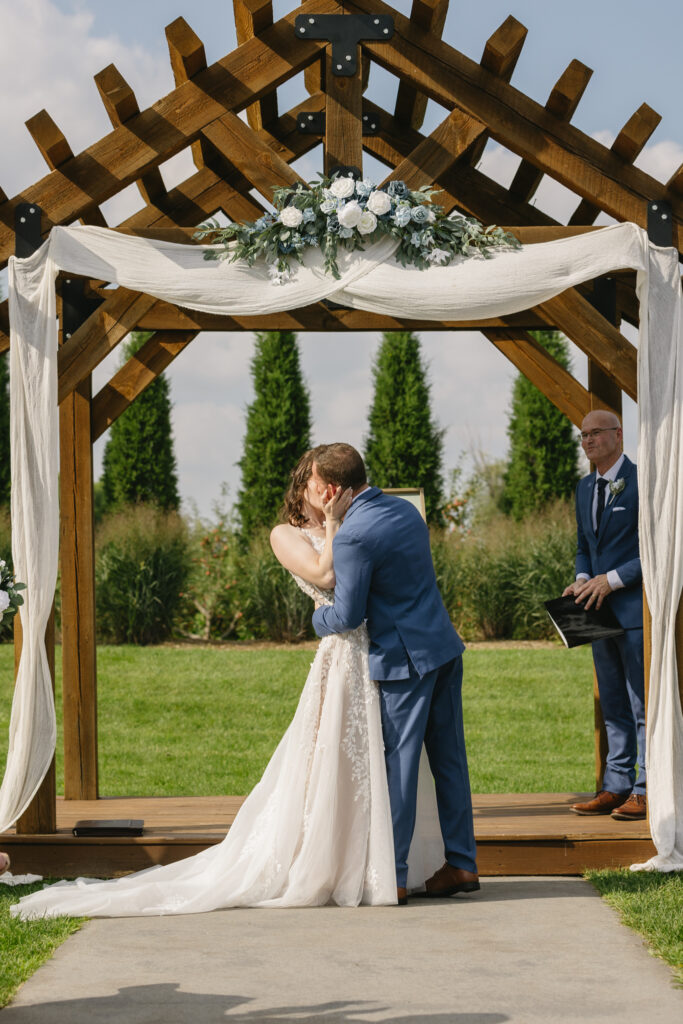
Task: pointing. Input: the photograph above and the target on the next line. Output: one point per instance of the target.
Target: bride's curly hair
(293, 510)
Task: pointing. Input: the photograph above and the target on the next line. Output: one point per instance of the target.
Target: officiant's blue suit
(385, 576)
(619, 661)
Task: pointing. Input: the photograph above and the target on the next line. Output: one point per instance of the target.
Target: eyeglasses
(585, 434)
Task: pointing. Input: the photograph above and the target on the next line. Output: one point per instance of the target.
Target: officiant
(608, 569)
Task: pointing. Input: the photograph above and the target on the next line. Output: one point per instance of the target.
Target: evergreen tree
(278, 429)
(404, 446)
(4, 427)
(543, 458)
(139, 462)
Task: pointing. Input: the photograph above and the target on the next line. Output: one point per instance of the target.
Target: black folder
(578, 625)
(109, 827)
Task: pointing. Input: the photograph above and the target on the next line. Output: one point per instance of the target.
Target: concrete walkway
(523, 950)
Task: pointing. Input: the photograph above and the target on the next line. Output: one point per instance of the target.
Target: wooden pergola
(235, 157)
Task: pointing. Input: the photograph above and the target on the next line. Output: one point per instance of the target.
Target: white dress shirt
(610, 475)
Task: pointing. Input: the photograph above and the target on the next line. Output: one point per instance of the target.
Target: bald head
(602, 438)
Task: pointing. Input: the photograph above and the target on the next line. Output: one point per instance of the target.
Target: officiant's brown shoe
(447, 881)
(402, 896)
(635, 808)
(603, 802)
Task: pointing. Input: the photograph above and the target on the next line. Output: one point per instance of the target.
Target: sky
(50, 50)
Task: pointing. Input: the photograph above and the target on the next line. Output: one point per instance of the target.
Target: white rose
(342, 188)
(4, 600)
(291, 217)
(378, 203)
(367, 223)
(350, 215)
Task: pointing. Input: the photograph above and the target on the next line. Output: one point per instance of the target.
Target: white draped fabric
(474, 288)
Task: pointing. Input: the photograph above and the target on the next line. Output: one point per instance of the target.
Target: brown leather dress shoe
(402, 896)
(447, 881)
(603, 802)
(635, 808)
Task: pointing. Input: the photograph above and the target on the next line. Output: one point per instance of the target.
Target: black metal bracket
(345, 32)
(313, 123)
(27, 236)
(345, 171)
(604, 298)
(660, 223)
(76, 305)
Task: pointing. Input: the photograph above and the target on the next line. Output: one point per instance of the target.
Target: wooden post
(343, 117)
(40, 817)
(77, 555)
(604, 394)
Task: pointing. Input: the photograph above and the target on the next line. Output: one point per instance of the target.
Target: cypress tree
(542, 462)
(139, 462)
(404, 446)
(278, 429)
(4, 430)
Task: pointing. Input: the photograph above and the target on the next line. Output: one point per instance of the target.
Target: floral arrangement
(345, 212)
(10, 598)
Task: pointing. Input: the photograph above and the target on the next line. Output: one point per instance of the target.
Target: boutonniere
(616, 487)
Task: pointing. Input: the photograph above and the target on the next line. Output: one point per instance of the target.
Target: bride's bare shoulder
(284, 536)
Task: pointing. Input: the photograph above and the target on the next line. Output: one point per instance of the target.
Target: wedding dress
(315, 830)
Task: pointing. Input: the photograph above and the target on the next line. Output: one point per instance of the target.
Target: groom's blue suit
(385, 575)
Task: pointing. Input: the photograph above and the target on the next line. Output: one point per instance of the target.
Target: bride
(317, 828)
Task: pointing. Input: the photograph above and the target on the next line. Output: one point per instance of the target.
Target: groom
(385, 575)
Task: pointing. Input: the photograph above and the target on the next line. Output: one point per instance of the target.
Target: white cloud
(47, 60)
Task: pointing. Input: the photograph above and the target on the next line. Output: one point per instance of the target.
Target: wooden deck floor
(517, 833)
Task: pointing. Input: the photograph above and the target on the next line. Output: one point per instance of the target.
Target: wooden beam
(253, 17)
(141, 369)
(77, 559)
(675, 182)
(343, 143)
(520, 124)
(500, 57)
(40, 817)
(318, 317)
(188, 58)
(96, 338)
(121, 105)
(253, 157)
(628, 144)
(56, 151)
(538, 366)
(574, 315)
(425, 16)
(562, 103)
(438, 152)
(172, 124)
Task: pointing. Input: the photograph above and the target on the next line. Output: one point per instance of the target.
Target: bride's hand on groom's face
(336, 502)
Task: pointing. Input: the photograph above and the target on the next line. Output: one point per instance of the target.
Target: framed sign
(415, 495)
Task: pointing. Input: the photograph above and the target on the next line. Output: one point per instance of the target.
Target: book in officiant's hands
(578, 625)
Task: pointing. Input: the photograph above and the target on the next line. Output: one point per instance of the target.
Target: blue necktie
(602, 483)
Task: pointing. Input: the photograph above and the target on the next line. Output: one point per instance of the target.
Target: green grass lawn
(650, 903)
(200, 722)
(25, 945)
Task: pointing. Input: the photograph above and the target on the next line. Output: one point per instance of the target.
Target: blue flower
(402, 215)
(421, 215)
(333, 224)
(364, 187)
(309, 215)
(397, 189)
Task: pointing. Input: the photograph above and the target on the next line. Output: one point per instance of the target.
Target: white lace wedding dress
(315, 830)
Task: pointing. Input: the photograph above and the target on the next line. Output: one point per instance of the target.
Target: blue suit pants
(428, 709)
(621, 683)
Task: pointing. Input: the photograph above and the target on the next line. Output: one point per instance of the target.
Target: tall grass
(141, 566)
(495, 578)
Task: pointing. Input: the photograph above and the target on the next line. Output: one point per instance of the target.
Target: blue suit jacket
(385, 574)
(616, 544)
